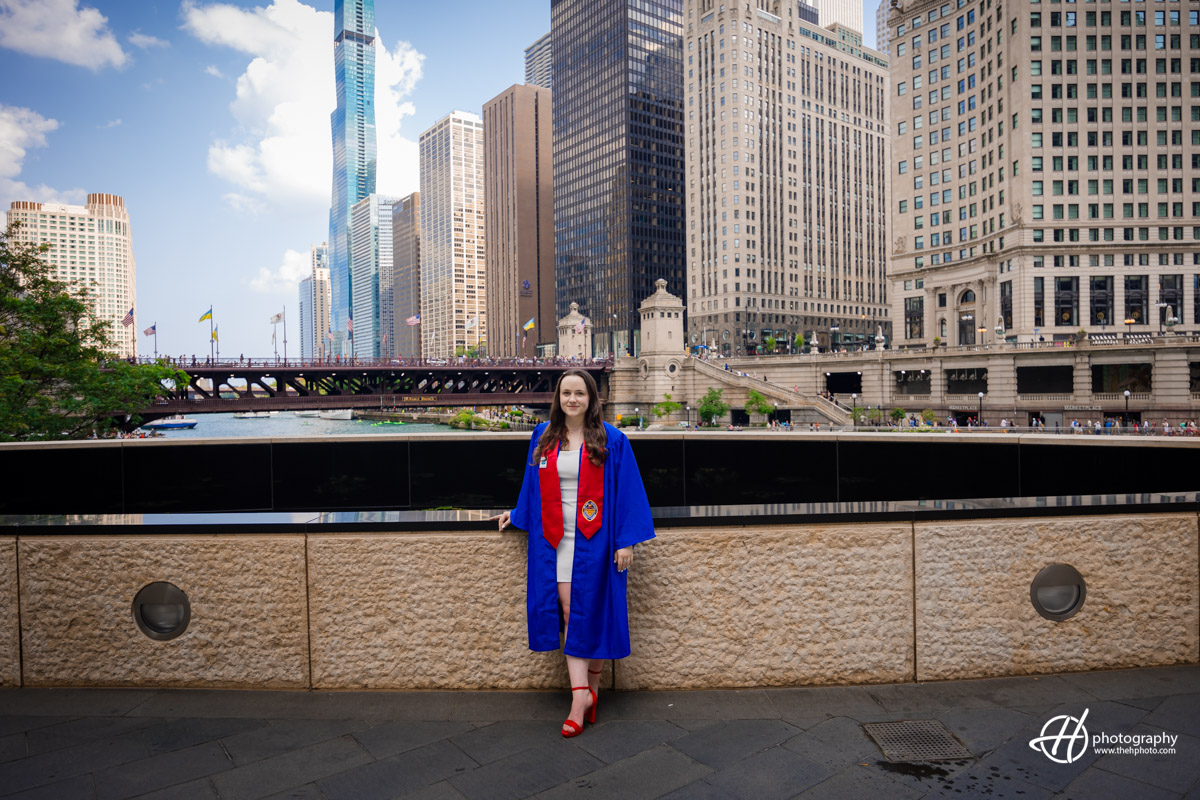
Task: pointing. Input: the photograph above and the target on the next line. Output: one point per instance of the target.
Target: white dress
(568, 482)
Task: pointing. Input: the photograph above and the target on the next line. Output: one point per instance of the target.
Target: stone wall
(10, 650)
(778, 605)
(249, 625)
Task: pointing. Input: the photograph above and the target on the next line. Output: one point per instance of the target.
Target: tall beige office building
(518, 131)
(786, 180)
(453, 282)
(883, 33)
(406, 276)
(848, 13)
(90, 246)
(1045, 170)
(539, 62)
(314, 306)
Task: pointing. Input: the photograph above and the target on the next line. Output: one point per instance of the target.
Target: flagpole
(285, 334)
(156, 340)
(211, 341)
(274, 345)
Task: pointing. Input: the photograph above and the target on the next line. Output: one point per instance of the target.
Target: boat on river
(175, 423)
(340, 413)
(254, 414)
(308, 413)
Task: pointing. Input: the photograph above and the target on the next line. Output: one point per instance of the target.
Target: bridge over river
(262, 386)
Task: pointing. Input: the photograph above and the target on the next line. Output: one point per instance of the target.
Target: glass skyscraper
(353, 129)
(618, 160)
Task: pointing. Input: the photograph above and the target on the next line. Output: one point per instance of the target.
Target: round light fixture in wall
(161, 610)
(1058, 592)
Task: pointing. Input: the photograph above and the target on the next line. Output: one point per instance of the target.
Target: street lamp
(982, 329)
(1126, 408)
(979, 418)
(689, 416)
(1128, 322)
(639, 416)
(853, 404)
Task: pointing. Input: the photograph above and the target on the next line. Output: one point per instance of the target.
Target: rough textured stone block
(423, 611)
(975, 619)
(10, 655)
(778, 606)
(249, 619)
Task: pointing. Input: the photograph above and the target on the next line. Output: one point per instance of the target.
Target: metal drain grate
(916, 740)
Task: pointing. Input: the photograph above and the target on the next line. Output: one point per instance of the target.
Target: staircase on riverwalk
(834, 413)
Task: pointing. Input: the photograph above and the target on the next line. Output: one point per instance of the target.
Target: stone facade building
(786, 130)
(1046, 171)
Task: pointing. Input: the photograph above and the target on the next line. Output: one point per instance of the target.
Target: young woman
(584, 506)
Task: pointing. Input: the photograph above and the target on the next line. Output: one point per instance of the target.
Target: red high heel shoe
(595, 700)
(575, 727)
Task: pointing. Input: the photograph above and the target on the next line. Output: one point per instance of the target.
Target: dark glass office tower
(353, 127)
(618, 160)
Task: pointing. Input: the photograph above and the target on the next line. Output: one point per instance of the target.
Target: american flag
(151, 330)
(128, 320)
(579, 325)
(413, 320)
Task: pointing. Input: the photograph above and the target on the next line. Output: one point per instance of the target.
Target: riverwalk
(754, 743)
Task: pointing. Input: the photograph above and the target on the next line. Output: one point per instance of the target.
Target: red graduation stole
(588, 504)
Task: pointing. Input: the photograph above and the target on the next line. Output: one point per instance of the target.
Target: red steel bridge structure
(261, 386)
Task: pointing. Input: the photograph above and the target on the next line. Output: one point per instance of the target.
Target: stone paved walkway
(760, 744)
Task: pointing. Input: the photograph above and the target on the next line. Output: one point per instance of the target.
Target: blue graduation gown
(599, 623)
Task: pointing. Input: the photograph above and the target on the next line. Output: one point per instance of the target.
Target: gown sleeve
(526, 502)
(633, 521)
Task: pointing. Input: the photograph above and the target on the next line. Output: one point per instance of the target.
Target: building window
(1136, 291)
(1006, 300)
(1101, 299)
(914, 317)
(1039, 302)
(1066, 302)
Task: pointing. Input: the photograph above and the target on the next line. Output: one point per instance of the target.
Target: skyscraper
(353, 127)
(306, 319)
(518, 133)
(1044, 177)
(90, 246)
(319, 302)
(371, 274)
(453, 286)
(618, 160)
(539, 62)
(406, 275)
(787, 176)
(883, 33)
(842, 12)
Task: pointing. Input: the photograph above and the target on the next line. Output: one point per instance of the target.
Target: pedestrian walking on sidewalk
(584, 507)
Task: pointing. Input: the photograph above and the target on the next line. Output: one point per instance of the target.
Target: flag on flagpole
(528, 325)
(128, 320)
(415, 319)
(153, 329)
(350, 324)
(471, 322)
(579, 325)
(524, 336)
(277, 318)
(329, 335)
(206, 315)
(215, 338)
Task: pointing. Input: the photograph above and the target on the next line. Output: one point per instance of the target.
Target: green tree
(666, 407)
(799, 341)
(757, 404)
(770, 342)
(857, 415)
(928, 416)
(58, 379)
(898, 414)
(875, 415)
(712, 405)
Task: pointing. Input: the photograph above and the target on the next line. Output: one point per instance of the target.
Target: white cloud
(20, 130)
(280, 150)
(61, 30)
(145, 41)
(213, 70)
(112, 123)
(296, 267)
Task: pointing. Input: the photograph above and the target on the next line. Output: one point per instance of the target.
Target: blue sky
(212, 121)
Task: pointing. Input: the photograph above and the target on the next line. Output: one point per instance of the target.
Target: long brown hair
(594, 435)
